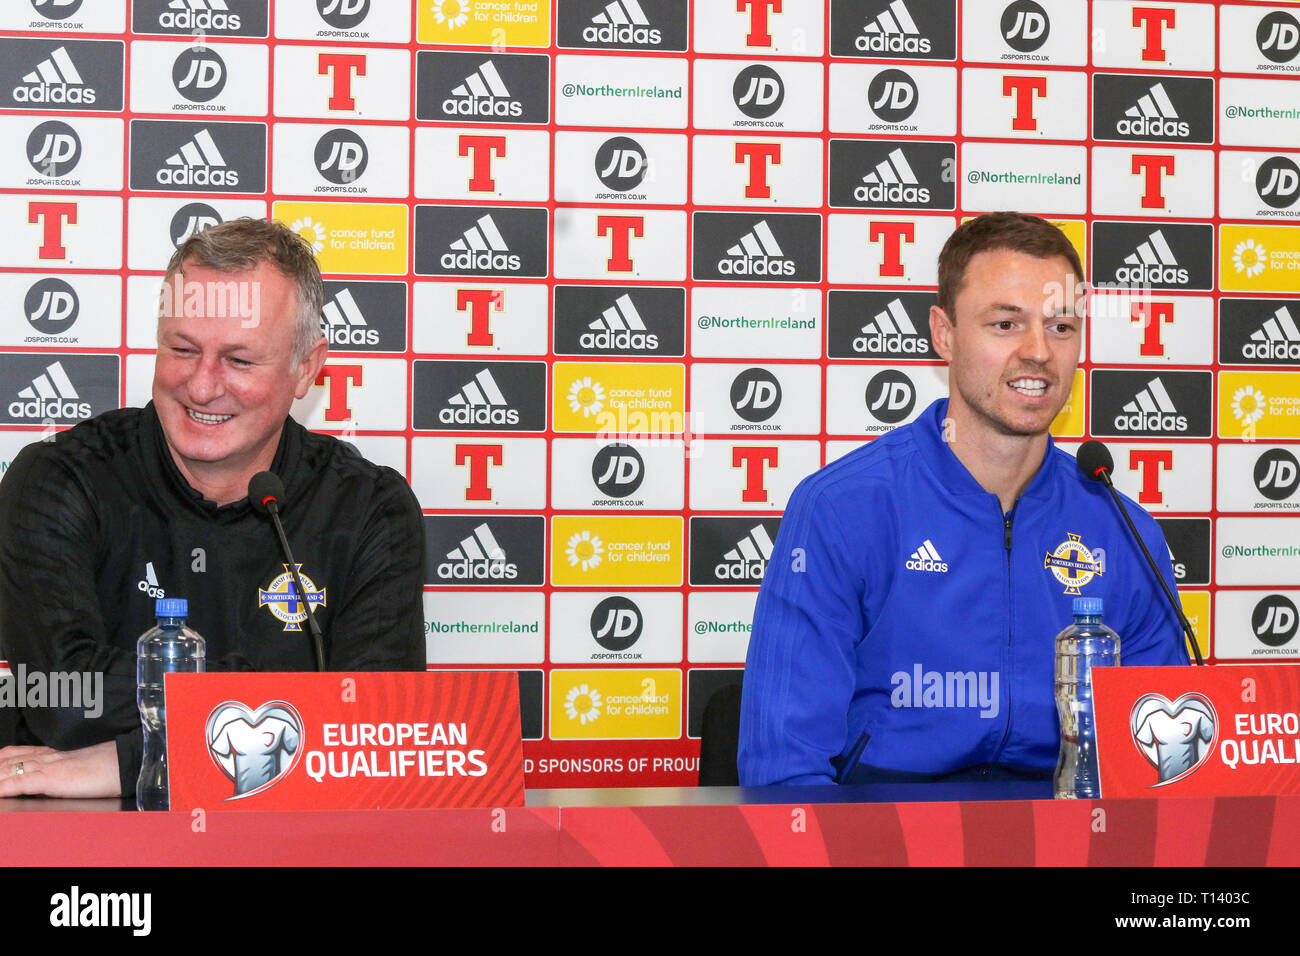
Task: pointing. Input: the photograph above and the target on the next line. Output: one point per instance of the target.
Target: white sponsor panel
(1164, 36)
(792, 100)
(796, 410)
(26, 156)
(383, 22)
(835, 450)
(795, 30)
(230, 81)
(481, 318)
(751, 475)
(755, 323)
(1051, 179)
(718, 625)
(1250, 625)
(356, 393)
(871, 399)
(92, 16)
(591, 243)
(1023, 104)
(513, 470)
(1255, 185)
(93, 242)
(1259, 478)
(869, 249)
(638, 91)
(1259, 113)
(333, 88)
(1152, 180)
(142, 299)
(149, 244)
(646, 475)
(1128, 329)
(614, 167)
(378, 166)
(1058, 35)
(477, 627)
(636, 626)
(34, 311)
(1257, 551)
(767, 171)
(931, 98)
(510, 165)
(1240, 49)
(139, 380)
(1160, 478)
(386, 450)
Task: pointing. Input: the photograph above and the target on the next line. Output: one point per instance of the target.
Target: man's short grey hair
(240, 245)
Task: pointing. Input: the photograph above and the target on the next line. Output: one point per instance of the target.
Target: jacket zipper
(1006, 542)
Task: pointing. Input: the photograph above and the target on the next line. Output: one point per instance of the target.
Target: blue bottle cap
(1087, 606)
(171, 607)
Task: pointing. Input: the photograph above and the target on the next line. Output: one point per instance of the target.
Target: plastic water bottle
(170, 647)
(1085, 644)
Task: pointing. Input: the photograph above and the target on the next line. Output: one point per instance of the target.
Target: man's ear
(311, 367)
(941, 332)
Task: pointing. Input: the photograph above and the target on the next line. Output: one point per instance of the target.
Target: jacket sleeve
(380, 626)
(800, 671)
(1153, 636)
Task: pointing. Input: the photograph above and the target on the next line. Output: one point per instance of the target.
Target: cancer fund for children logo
(352, 238)
(616, 704)
(495, 23)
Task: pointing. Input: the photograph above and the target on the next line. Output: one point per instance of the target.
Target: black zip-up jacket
(86, 516)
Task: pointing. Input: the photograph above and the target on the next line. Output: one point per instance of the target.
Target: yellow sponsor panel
(1254, 405)
(616, 704)
(1196, 605)
(623, 398)
(495, 23)
(365, 238)
(1069, 423)
(1259, 259)
(616, 551)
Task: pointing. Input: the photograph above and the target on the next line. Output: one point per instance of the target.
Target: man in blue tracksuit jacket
(905, 625)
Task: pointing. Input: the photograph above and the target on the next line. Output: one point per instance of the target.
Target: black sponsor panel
(1152, 107)
(482, 87)
(479, 396)
(1168, 255)
(46, 74)
(198, 157)
(365, 316)
(879, 325)
(884, 174)
(532, 704)
(1189, 545)
(40, 389)
(484, 550)
(894, 29)
(236, 18)
(480, 241)
(620, 320)
(701, 685)
(757, 247)
(1154, 403)
(621, 24)
(1259, 332)
(1273, 620)
(731, 551)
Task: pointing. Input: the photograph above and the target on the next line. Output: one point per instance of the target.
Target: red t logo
(891, 236)
(1151, 314)
(618, 228)
(755, 462)
(1024, 89)
(1156, 19)
(336, 378)
(478, 457)
(481, 303)
(51, 215)
(339, 67)
(481, 149)
(758, 10)
(1149, 462)
(1152, 170)
(756, 156)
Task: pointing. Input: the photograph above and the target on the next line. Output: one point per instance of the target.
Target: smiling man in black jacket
(135, 503)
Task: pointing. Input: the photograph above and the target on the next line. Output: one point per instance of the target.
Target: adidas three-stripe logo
(892, 31)
(1278, 338)
(478, 557)
(926, 558)
(1153, 262)
(1153, 114)
(621, 315)
(56, 69)
(1151, 410)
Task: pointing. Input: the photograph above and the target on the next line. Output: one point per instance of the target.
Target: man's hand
(88, 772)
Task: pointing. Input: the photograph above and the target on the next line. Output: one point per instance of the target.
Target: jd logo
(617, 470)
(1274, 620)
(621, 163)
(199, 74)
(890, 396)
(1277, 474)
(51, 306)
(755, 394)
(53, 148)
(1025, 26)
(341, 156)
(343, 14)
(616, 623)
(1278, 181)
(191, 218)
(758, 91)
(892, 96)
(1278, 36)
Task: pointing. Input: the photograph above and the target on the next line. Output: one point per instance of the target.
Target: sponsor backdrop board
(607, 278)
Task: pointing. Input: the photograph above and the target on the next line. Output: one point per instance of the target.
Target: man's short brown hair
(239, 245)
(1015, 231)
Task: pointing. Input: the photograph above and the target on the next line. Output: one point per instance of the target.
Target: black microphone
(1095, 461)
(265, 490)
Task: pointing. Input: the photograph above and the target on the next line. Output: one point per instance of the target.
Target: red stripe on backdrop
(1240, 833)
(998, 834)
(863, 836)
(704, 836)
(1062, 832)
(1129, 838)
(1284, 845)
(1183, 831)
(788, 836)
(612, 836)
(932, 833)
